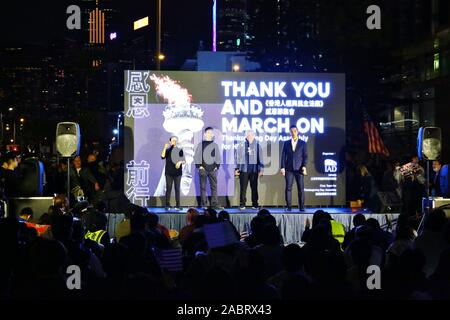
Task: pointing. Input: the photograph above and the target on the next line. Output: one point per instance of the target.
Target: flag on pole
(375, 142)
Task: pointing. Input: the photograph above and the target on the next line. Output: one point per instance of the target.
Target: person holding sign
(249, 167)
(174, 157)
(294, 158)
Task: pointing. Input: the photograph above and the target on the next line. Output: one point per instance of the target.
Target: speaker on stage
(429, 143)
(68, 139)
(31, 182)
(389, 202)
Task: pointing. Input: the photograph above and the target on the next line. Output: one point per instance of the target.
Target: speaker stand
(68, 182)
(427, 202)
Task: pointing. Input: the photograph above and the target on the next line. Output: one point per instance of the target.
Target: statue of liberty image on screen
(182, 118)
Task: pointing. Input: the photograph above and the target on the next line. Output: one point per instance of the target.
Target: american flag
(170, 259)
(376, 144)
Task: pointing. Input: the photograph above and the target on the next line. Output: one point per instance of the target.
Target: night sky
(32, 22)
(39, 22)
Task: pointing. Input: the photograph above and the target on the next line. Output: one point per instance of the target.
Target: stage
(291, 224)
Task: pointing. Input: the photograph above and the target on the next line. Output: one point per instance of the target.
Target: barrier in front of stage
(291, 225)
(39, 205)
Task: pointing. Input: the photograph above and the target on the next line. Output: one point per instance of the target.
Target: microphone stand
(68, 181)
(427, 202)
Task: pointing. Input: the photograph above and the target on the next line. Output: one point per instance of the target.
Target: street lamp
(161, 57)
(236, 68)
(158, 35)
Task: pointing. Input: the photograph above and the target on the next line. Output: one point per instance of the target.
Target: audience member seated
(258, 267)
(96, 223)
(380, 237)
(404, 278)
(26, 214)
(254, 235)
(62, 203)
(187, 230)
(251, 279)
(431, 242)
(291, 282)
(365, 234)
(318, 215)
(361, 252)
(440, 279)
(158, 233)
(358, 220)
(271, 249)
(223, 216)
(404, 240)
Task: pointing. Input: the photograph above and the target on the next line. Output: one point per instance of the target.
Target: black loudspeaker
(68, 139)
(429, 145)
(31, 183)
(447, 211)
(390, 202)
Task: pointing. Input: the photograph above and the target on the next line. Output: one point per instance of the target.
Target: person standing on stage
(249, 166)
(207, 160)
(174, 157)
(294, 158)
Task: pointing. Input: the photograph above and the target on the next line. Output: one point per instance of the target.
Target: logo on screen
(330, 166)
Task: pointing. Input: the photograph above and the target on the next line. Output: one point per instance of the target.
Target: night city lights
(224, 158)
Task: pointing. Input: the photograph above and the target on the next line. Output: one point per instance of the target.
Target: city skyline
(59, 71)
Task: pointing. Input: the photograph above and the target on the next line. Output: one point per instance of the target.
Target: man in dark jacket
(294, 159)
(249, 166)
(207, 160)
(174, 158)
(84, 178)
(9, 179)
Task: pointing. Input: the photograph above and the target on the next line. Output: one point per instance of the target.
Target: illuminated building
(231, 25)
(285, 34)
(417, 83)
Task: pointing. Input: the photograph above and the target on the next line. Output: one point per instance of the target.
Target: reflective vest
(95, 236)
(338, 231)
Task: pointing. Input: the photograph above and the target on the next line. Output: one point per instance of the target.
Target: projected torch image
(182, 119)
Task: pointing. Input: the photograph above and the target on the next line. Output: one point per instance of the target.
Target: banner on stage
(160, 104)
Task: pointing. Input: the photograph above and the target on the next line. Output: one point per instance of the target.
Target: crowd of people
(95, 175)
(257, 264)
(405, 184)
(331, 262)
